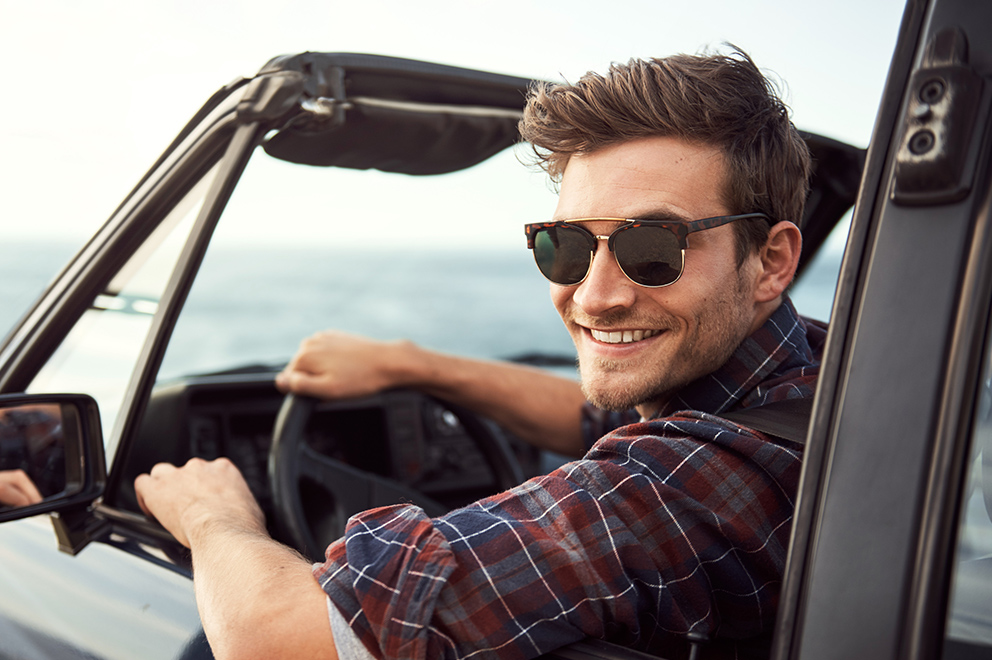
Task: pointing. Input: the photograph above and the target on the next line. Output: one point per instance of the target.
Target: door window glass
(969, 623)
(99, 354)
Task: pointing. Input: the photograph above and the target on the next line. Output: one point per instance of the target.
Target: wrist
(203, 524)
(409, 365)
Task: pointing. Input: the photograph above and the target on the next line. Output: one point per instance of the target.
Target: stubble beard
(617, 385)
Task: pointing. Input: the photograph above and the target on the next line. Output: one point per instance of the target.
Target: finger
(298, 382)
(145, 483)
(18, 486)
(12, 496)
(160, 470)
(140, 483)
(199, 465)
(297, 367)
(27, 486)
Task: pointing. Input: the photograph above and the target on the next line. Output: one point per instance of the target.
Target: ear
(779, 259)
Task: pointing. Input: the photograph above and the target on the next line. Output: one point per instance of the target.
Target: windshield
(440, 260)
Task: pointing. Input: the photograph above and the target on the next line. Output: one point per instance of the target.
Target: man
(678, 524)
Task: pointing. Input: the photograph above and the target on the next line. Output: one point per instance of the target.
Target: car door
(99, 329)
(875, 546)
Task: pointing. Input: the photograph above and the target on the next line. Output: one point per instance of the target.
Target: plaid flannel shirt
(674, 525)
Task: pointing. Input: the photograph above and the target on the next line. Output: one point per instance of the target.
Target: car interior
(312, 464)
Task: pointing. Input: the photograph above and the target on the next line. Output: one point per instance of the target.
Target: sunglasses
(649, 252)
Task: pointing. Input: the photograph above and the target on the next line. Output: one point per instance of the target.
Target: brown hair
(720, 100)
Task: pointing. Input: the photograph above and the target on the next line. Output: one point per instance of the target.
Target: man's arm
(541, 408)
(257, 598)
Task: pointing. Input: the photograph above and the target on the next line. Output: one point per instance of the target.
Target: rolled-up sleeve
(665, 527)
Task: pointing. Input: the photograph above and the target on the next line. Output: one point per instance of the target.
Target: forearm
(539, 407)
(257, 598)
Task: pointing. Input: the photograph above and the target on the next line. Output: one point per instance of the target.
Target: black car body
(891, 554)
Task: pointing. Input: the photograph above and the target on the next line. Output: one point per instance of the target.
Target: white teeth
(622, 337)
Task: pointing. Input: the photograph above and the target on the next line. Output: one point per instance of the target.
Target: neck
(763, 312)
(650, 409)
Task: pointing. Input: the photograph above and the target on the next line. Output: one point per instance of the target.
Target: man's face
(668, 336)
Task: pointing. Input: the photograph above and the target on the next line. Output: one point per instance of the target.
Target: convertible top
(397, 115)
(411, 117)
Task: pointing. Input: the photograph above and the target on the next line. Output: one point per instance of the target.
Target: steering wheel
(309, 525)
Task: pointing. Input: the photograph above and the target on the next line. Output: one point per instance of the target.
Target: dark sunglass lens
(650, 256)
(563, 254)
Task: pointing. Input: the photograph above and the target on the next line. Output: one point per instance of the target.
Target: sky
(92, 92)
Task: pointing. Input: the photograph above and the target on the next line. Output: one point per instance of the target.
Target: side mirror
(51, 454)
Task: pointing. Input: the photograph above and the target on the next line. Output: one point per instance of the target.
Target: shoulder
(697, 442)
(690, 428)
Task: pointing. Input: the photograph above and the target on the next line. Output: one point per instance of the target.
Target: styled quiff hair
(717, 100)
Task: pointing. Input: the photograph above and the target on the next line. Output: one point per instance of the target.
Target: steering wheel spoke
(314, 494)
(351, 487)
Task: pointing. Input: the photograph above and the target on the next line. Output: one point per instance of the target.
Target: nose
(605, 287)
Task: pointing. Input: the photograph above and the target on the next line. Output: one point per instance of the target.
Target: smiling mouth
(622, 336)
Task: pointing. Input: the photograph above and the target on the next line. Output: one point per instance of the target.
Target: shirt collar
(778, 345)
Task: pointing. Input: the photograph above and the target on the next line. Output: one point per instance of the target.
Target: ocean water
(255, 304)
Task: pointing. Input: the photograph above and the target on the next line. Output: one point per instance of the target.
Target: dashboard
(401, 435)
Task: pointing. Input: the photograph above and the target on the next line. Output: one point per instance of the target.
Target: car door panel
(102, 603)
(868, 570)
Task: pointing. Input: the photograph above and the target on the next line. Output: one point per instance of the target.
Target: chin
(614, 396)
